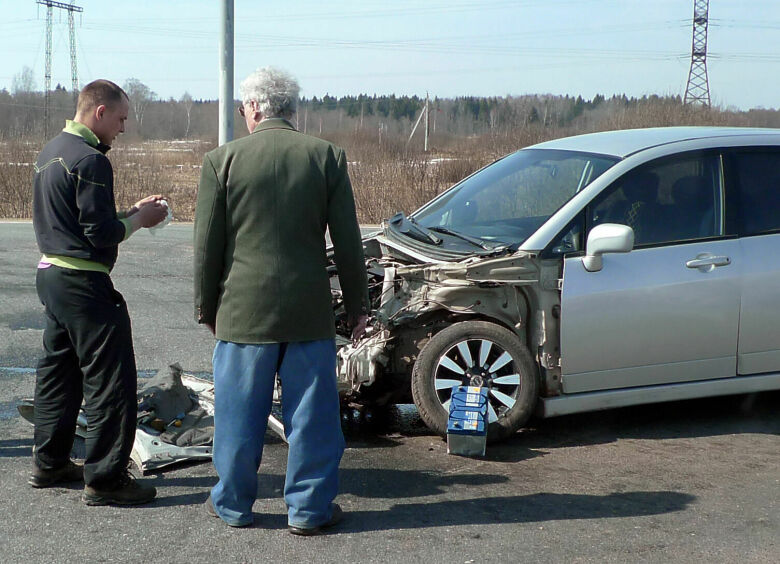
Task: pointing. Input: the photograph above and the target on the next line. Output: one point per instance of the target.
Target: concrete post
(226, 72)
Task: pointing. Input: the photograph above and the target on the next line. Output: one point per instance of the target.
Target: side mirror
(606, 238)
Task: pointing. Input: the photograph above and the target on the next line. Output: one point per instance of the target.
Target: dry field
(387, 174)
(384, 182)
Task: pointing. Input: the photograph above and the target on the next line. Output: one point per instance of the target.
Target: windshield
(507, 201)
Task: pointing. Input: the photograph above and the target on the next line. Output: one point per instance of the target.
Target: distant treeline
(389, 171)
(22, 114)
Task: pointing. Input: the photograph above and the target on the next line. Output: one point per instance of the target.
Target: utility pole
(70, 8)
(698, 88)
(423, 113)
(427, 128)
(226, 72)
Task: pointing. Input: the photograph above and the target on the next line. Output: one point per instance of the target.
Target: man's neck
(76, 127)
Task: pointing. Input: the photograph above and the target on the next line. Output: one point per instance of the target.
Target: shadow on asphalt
(708, 417)
(382, 483)
(516, 509)
(12, 448)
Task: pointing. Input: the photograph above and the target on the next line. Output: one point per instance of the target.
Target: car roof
(625, 142)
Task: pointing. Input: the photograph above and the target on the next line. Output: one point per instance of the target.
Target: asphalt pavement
(680, 482)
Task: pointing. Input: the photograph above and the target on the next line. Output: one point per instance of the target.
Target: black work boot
(41, 478)
(126, 491)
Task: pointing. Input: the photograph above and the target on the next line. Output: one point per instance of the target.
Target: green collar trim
(274, 123)
(76, 128)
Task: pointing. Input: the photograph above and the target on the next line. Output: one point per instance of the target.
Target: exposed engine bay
(414, 297)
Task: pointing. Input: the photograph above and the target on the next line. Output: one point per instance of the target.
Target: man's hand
(142, 202)
(148, 215)
(359, 328)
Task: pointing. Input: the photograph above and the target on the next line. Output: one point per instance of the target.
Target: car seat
(693, 199)
(640, 209)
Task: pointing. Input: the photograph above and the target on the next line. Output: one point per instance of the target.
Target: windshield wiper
(400, 219)
(473, 240)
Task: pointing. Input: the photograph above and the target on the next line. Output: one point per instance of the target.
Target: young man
(261, 284)
(87, 342)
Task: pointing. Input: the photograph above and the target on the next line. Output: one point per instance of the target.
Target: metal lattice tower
(50, 5)
(698, 88)
(74, 69)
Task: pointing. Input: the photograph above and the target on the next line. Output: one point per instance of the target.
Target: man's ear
(99, 111)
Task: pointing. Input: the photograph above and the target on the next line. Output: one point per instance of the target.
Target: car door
(755, 180)
(668, 311)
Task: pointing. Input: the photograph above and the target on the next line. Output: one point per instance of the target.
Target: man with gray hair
(262, 287)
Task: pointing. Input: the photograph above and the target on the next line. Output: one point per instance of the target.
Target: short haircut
(274, 90)
(99, 93)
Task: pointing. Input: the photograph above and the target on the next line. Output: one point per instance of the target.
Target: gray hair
(274, 90)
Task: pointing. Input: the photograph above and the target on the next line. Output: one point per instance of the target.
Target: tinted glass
(666, 201)
(758, 189)
(508, 200)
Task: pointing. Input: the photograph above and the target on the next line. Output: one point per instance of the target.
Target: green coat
(264, 203)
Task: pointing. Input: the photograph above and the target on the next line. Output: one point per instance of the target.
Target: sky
(447, 48)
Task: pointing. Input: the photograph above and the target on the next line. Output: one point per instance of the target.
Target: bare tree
(186, 102)
(140, 95)
(23, 81)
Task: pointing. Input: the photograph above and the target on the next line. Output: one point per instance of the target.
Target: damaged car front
(454, 300)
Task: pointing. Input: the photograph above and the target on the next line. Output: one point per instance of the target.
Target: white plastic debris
(164, 222)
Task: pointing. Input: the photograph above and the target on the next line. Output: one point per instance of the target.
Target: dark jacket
(74, 213)
(264, 204)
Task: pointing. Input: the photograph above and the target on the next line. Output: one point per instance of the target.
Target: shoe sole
(301, 532)
(96, 501)
(36, 483)
(338, 516)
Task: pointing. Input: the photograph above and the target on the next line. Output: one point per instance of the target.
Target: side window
(665, 201)
(568, 241)
(758, 191)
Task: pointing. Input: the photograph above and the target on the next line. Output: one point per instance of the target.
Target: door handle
(707, 263)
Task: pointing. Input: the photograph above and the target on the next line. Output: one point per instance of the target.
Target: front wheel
(476, 353)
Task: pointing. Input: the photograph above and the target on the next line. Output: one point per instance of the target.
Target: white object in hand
(165, 221)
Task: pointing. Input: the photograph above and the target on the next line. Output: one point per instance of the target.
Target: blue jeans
(243, 384)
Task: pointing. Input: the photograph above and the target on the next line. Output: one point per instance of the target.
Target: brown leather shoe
(71, 472)
(337, 516)
(126, 491)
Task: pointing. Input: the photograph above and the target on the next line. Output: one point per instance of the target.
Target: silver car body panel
(646, 318)
(150, 453)
(759, 321)
(595, 401)
(623, 143)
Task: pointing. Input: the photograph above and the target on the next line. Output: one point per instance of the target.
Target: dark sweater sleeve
(347, 242)
(95, 201)
(209, 243)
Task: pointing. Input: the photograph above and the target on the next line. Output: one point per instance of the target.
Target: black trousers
(88, 354)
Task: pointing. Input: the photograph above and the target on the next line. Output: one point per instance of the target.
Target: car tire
(498, 359)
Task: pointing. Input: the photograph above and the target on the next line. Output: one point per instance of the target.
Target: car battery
(467, 424)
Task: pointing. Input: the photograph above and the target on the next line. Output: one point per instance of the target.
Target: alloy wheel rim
(479, 362)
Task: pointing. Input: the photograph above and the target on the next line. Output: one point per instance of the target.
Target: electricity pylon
(698, 88)
(71, 8)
